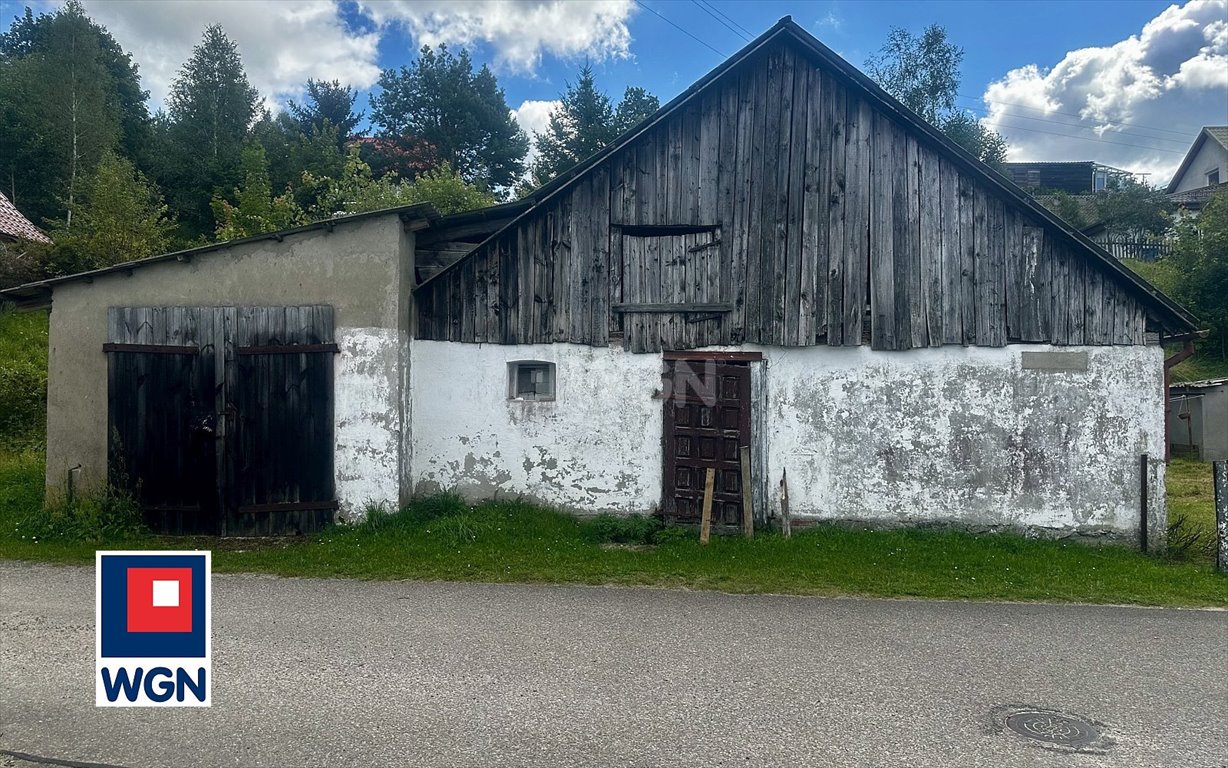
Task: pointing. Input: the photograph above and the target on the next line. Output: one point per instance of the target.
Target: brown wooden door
(707, 421)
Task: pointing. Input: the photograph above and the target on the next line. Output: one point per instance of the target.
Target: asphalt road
(345, 673)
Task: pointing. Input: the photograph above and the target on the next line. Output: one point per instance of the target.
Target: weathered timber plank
(799, 292)
(813, 280)
(917, 277)
(769, 256)
(949, 234)
(931, 245)
(984, 278)
(854, 243)
(882, 249)
(903, 233)
(831, 202)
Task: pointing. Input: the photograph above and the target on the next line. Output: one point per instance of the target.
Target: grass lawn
(441, 538)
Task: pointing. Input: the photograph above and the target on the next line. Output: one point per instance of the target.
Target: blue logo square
(116, 639)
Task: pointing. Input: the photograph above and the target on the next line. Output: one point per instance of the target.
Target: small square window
(530, 380)
(1213, 177)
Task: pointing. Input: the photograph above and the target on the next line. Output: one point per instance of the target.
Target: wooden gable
(781, 203)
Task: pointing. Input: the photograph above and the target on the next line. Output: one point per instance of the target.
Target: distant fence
(1142, 250)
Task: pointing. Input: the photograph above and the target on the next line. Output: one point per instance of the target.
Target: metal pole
(1142, 524)
(1219, 469)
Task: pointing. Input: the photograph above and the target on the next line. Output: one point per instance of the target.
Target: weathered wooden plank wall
(820, 212)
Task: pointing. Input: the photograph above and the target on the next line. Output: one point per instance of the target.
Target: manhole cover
(1054, 728)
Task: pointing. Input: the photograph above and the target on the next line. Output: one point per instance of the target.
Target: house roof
(1217, 133)
(38, 294)
(1197, 198)
(1171, 314)
(16, 226)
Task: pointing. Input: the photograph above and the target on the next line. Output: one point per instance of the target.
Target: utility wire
(1013, 127)
(1073, 114)
(641, 4)
(1122, 133)
(747, 34)
(726, 24)
(1097, 141)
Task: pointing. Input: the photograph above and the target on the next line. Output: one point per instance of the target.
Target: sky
(1127, 83)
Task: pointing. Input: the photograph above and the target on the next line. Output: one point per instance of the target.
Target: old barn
(784, 272)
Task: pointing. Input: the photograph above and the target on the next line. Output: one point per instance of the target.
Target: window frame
(513, 381)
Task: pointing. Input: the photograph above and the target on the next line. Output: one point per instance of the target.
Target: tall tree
(291, 153)
(987, 146)
(121, 216)
(329, 103)
(68, 93)
(1135, 209)
(254, 208)
(923, 73)
(357, 190)
(211, 108)
(636, 106)
(461, 115)
(584, 123)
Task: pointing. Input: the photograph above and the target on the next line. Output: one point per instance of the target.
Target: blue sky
(1127, 83)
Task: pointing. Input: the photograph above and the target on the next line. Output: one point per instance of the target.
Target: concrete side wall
(1210, 156)
(358, 269)
(967, 435)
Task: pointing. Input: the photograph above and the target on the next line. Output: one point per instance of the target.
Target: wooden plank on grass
(748, 506)
(705, 524)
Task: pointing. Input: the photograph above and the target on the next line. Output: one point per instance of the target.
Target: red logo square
(159, 599)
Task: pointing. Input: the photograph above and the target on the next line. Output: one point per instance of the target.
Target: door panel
(229, 429)
(707, 422)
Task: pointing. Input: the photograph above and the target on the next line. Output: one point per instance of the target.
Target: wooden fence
(1133, 248)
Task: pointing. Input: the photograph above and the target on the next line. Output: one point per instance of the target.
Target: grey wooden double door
(221, 418)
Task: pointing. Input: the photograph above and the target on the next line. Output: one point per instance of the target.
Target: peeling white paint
(595, 447)
(951, 434)
(967, 435)
(368, 418)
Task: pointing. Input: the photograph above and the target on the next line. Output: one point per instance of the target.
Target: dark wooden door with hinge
(707, 422)
(221, 418)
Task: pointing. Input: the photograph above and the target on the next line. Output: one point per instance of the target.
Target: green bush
(622, 529)
(96, 516)
(23, 378)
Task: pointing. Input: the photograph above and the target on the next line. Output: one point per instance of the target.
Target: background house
(1198, 417)
(1073, 177)
(1206, 162)
(782, 273)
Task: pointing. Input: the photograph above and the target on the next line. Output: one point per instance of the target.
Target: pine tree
(584, 123)
(211, 108)
(460, 115)
(329, 105)
(255, 210)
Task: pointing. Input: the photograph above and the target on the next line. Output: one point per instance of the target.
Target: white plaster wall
(966, 434)
(367, 415)
(596, 447)
(1210, 156)
(952, 434)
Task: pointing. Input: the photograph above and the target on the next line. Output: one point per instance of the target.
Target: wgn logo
(152, 613)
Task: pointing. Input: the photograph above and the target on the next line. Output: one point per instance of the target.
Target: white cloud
(1153, 90)
(519, 32)
(282, 43)
(533, 116)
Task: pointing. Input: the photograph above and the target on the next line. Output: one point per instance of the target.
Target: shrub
(622, 529)
(98, 516)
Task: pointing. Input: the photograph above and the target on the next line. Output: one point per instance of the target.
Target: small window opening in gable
(1213, 177)
(1101, 181)
(530, 380)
